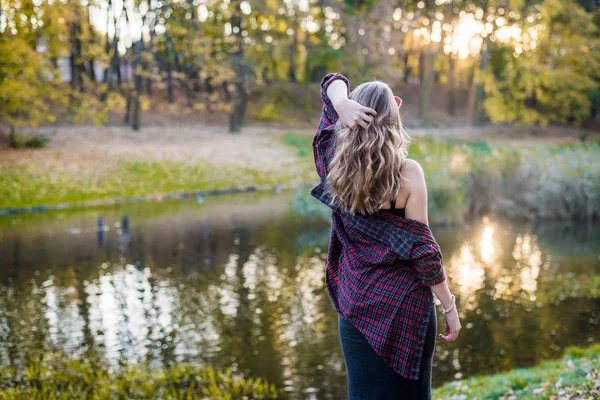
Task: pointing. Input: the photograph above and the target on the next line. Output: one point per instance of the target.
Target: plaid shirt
(379, 266)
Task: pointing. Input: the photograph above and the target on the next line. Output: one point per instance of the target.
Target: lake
(238, 281)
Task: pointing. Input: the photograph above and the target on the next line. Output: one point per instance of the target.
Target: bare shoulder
(413, 173)
(416, 204)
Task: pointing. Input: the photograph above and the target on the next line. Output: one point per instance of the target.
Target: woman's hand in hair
(350, 112)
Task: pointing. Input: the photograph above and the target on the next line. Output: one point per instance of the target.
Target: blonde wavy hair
(365, 171)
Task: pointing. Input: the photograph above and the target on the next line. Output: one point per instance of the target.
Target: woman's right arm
(416, 208)
(349, 111)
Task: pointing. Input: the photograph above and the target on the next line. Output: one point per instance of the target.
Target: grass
(301, 143)
(77, 379)
(465, 178)
(20, 187)
(575, 376)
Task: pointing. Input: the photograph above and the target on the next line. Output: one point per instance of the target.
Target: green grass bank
(465, 178)
(575, 376)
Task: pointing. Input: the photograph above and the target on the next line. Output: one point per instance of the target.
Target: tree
(26, 91)
(239, 95)
(551, 82)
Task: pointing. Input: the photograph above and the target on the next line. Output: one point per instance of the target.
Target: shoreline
(153, 197)
(466, 178)
(200, 194)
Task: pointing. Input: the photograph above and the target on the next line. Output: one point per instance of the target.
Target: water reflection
(241, 282)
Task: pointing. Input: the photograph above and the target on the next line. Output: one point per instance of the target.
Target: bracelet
(450, 307)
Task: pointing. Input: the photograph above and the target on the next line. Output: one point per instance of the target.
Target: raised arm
(335, 90)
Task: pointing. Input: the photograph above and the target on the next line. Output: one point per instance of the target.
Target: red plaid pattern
(379, 266)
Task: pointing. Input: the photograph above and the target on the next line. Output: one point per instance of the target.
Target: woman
(384, 264)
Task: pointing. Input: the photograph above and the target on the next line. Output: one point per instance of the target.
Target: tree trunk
(236, 118)
(406, 67)
(475, 107)
(427, 79)
(170, 96)
(91, 62)
(292, 52)
(470, 111)
(480, 95)
(117, 62)
(12, 137)
(422, 55)
(426, 82)
(452, 84)
(189, 87)
(107, 45)
(75, 61)
(138, 84)
(127, 118)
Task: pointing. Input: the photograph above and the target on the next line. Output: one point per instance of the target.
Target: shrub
(20, 141)
(268, 113)
(68, 379)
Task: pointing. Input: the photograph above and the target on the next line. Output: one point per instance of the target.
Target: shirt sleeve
(323, 144)
(428, 262)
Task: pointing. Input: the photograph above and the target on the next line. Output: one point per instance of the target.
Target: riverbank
(525, 176)
(575, 376)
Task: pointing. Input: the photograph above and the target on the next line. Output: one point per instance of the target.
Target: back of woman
(384, 265)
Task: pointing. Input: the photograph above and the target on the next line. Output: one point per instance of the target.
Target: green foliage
(532, 94)
(553, 83)
(68, 379)
(37, 141)
(467, 178)
(26, 93)
(576, 374)
(268, 113)
(358, 6)
(305, 206)
(302, 143)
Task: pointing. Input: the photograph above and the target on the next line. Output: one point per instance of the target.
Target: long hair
(365, 171)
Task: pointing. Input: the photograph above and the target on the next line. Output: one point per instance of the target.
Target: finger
(366, 117)
(363, 124)
(450, 335)
(445, 338)
(368, 110)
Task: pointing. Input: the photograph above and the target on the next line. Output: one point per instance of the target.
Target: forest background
(234, 62)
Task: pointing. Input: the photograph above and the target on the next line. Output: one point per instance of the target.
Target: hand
(452, 326)
(352, 113)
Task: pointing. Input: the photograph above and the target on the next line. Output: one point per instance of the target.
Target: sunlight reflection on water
(185, 283)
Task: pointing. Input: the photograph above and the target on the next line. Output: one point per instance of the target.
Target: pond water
(238, 281)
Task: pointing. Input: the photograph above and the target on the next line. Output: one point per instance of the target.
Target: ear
(398, 101)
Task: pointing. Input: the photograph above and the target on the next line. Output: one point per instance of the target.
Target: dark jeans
(369, 377)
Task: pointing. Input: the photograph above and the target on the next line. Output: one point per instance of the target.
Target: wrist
(449, 307)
